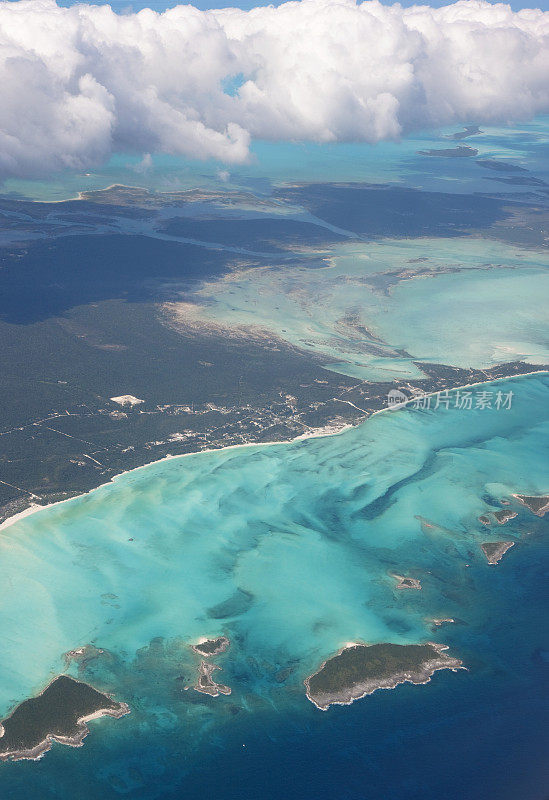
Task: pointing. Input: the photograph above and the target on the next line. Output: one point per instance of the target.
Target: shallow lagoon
(467, 302)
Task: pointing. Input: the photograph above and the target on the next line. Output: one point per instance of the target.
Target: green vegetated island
(537, 504)
(59, 713)
(210, 648)
(360, 669)
(494, 551)
(206, 684)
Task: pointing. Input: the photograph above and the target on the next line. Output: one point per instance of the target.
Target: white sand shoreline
(318, 434)
(418, 675)
(37, 752)
(81, 192)
(459, 388)
(36, 507)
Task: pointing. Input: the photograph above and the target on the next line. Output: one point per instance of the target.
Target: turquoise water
(289, 550)
(271, 163)
(240, 541)
(475, 303)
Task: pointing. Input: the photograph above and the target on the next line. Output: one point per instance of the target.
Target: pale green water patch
(374, 308)
(477, 319)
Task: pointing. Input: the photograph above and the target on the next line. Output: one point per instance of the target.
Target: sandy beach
(313, 434)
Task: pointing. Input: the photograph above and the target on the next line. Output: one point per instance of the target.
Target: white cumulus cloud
(79, 83)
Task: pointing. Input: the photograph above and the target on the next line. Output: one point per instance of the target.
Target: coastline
(44, 746)
(80, 193)
(464, 386)
(38, 752)
(321, 433)
(34, 508)
(494, 551)
(347, 695)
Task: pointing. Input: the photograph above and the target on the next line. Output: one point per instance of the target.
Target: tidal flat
(389, 307)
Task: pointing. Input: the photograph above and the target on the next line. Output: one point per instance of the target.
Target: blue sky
(160, 5)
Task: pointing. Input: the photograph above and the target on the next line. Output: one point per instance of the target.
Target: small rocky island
(360, 669)
(211, 647)
(504, 516)
(59, 713)
(501, 517)
(494, 551)
(206, 684)
(83, 655)
(461, 151)
(538, 505)
(407, 583)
